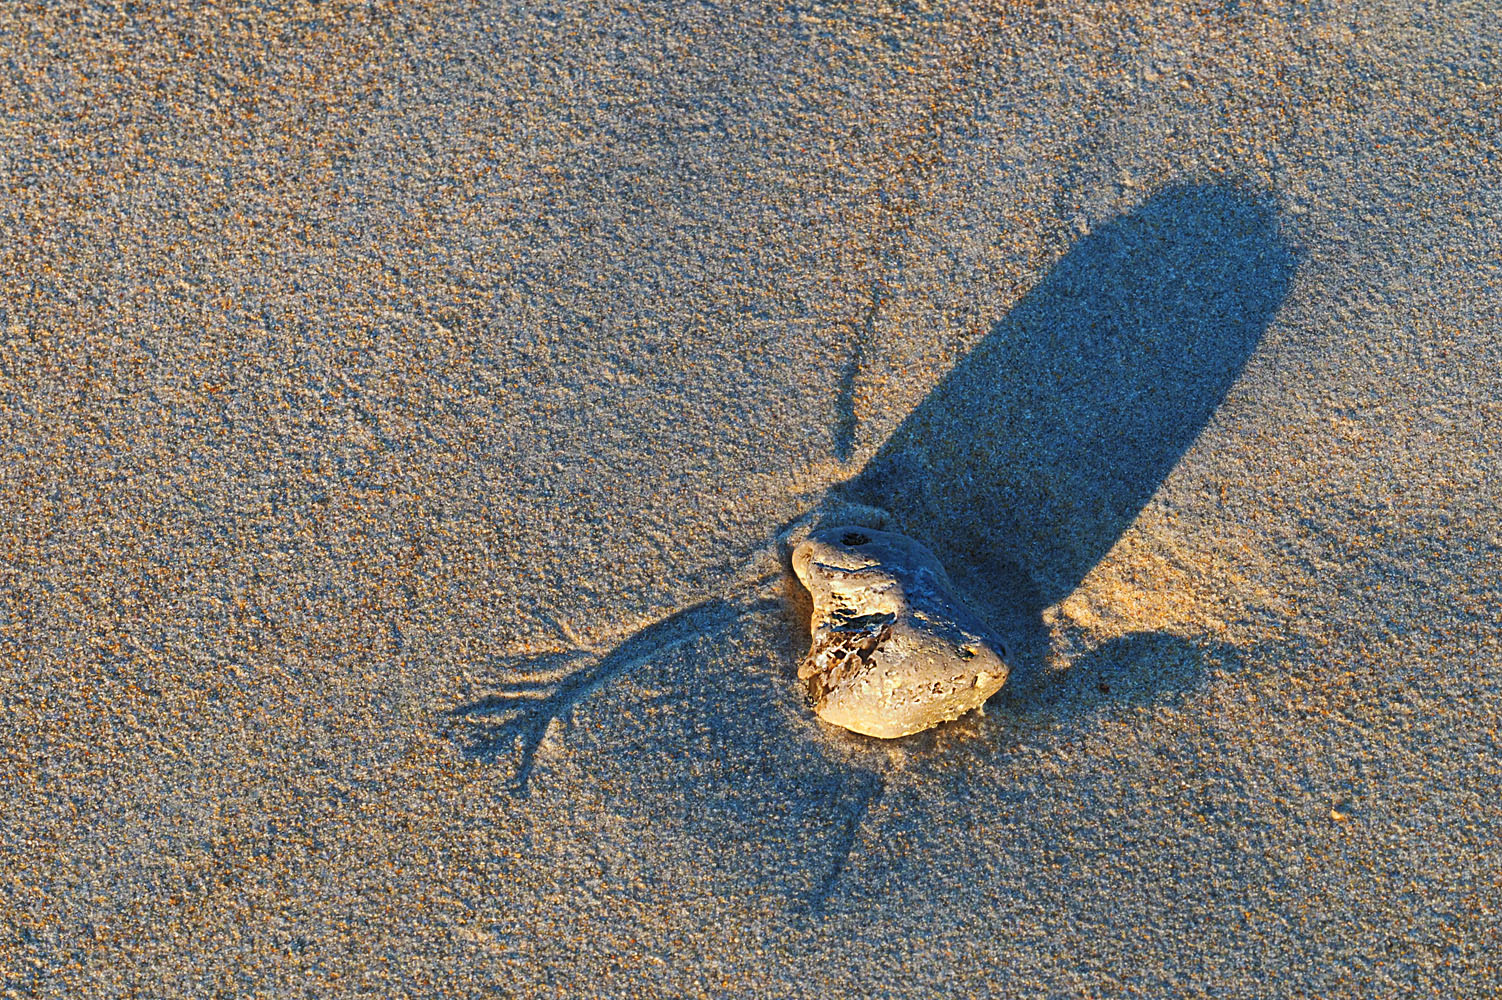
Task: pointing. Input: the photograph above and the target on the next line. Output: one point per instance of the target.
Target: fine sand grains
(392, 397)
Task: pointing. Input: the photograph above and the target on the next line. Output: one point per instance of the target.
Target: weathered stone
(894, 650)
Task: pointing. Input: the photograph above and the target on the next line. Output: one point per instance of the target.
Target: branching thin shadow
(517, 716)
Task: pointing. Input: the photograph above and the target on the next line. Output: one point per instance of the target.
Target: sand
(401, 404)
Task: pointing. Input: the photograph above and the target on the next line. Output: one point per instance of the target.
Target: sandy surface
(400, 404)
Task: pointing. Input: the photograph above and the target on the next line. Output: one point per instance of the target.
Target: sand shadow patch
(1025, 464)
(714, 776)
(533, 694)
(1136, 670)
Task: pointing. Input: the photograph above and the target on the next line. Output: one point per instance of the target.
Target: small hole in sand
(854, 538)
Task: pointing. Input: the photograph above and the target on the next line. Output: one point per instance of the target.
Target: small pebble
(894, 650)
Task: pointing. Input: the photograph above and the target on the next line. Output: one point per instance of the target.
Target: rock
(894, 650)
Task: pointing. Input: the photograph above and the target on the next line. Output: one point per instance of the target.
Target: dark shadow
(1134, 670)
(1027, 461)
(516, 718)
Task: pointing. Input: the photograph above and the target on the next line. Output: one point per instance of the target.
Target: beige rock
(894, 650)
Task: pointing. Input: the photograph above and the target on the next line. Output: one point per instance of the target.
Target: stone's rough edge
(893, 649)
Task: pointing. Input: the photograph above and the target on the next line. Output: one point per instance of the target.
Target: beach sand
(401, 406)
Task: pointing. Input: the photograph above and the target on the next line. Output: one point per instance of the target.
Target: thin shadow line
(846, 422)
(527, 705)
(870, 788)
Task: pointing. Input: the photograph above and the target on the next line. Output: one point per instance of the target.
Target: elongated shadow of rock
(1027, 461)
(1024, 465)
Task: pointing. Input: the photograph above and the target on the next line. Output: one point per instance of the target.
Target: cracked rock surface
(894, 650)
